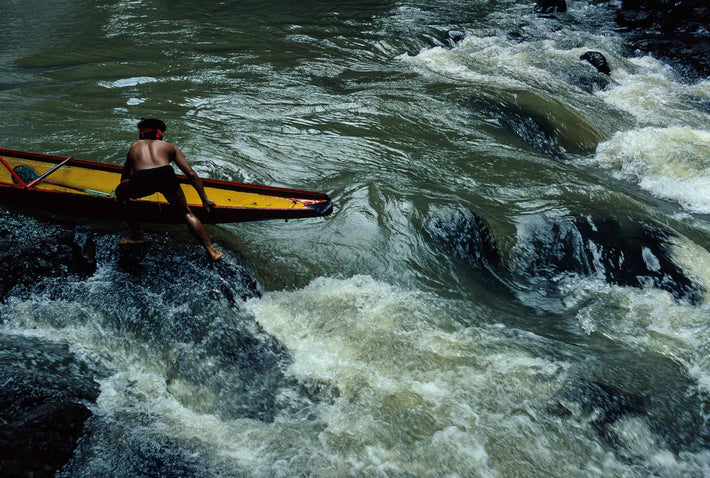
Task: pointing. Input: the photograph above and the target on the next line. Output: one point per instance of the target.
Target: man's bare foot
(214, 254)
(132, 240)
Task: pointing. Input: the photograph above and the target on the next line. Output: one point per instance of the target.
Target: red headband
(158, 132)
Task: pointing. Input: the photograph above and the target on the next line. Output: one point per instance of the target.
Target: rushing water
(383, 341)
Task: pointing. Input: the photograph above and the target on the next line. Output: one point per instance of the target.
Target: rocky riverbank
(676, 31)
(47, 391)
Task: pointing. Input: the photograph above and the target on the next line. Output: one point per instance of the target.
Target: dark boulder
(597, 60)
(675, 31)
(42, 405)
(625, 253)
(30, 253)
(550, 6)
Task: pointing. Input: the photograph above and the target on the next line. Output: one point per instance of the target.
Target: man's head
(151, 128)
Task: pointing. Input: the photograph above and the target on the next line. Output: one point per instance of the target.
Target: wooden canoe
(76, 187)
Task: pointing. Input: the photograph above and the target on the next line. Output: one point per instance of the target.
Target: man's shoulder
(153, 144)
(163, 144)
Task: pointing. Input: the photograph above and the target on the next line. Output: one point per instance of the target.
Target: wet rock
(634, 19)
(550, 6)
(623, 253)
(30, 252)
(42, 440)
(164, 295)
(676, 31)
(590, 84)
(606, 403)
(456, 36)
(233, 373)
(681, 49)
(190, 310)
(597, 60)
(470, 238)
(186, 275)
(42, 405)
(549, 127)
(536, 132)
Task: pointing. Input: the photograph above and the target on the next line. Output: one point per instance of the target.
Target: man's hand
(209, 204)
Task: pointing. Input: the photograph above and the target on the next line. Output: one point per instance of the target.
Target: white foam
(125, 82)
(649, 90)
(420, 392)
(671, 163)
(490, 61)
(420, 386)
(651, 320)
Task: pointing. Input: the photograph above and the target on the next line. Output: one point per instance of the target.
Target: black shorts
(145, 182)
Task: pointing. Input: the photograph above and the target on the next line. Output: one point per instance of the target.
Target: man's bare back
(148, 154)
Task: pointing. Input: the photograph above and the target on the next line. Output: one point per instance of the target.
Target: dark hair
(152, 123)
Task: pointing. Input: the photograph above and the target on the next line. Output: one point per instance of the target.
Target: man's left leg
(195, 226)
(123, 198)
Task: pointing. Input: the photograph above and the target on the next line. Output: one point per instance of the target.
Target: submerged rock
(452, 39)
(546, 125)
(602, 403)
(469, 237)
(536, 130)
(550, 6)
(676, 31)
(634, 18)
(43, 400)
(631, 254)
(625, 253)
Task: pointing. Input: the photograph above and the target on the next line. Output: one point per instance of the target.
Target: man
(147, 171)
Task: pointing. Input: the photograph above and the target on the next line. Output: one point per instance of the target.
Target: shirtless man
(147, 171)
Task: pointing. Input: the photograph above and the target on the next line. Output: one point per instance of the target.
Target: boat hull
(84, 188)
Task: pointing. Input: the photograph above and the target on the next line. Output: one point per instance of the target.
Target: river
(514, 281)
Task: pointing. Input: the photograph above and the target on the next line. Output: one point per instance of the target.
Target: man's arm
(194, 179)
(127, 168)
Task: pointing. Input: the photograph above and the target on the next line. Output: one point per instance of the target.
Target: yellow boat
(76, 187)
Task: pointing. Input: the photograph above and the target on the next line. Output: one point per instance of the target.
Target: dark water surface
(513, 283)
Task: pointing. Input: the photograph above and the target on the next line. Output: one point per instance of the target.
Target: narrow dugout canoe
(76, 187)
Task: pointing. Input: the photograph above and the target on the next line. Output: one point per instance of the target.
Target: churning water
(514, 281)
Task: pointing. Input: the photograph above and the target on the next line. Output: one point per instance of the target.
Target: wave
(670, 163)
(535, 78)
(651, 91)
(422, 385)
